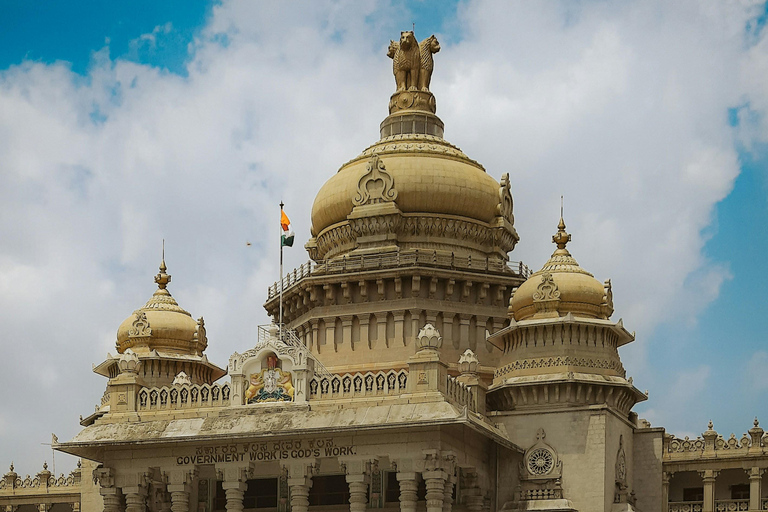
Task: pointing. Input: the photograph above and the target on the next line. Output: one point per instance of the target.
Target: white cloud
(756, 371)
(621, 107)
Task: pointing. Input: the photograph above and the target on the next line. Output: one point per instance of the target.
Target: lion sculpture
(406, 61)
(426, 48)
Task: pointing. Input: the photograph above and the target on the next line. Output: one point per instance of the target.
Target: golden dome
(430, 175)
(161, 324)
(561, 287)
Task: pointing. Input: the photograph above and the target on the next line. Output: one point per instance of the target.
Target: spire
(162, 279)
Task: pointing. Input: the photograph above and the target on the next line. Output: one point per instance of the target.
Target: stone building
(417, 368)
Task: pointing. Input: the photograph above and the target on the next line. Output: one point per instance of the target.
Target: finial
(11, 466)
(45, 466)
(162, 279)
(561, 238)
(710, 425)
(79, 463)
(757, 423)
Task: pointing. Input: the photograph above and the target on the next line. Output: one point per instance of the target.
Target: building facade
(417, 368)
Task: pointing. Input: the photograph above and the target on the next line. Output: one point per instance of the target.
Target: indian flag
(286, 239)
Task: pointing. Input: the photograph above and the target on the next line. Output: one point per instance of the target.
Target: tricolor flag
(286, 239)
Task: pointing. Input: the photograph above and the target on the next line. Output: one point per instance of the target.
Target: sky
(126, 123)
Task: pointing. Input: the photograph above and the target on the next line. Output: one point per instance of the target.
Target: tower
(561, 389)
(411, 231)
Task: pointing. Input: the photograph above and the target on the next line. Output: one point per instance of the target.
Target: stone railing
(29, 482)
(710, 443)
(358, 385)
(184, 396)
(395, 259)
(43, 482)
(459, 393)
(731, 505)
(686, 506)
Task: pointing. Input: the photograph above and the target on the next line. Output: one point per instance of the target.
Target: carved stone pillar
(44, 507)
(408, 487)
(300, 493)
(358, 478)
(448, 495)
(179, 500)
(300, 482)
(180, 485)
(708, 478)
(76, 506)
(135, 498)
(111, 495)
(755, 487)
(234, 486)
(435, 481)
(112, 499)
(665, 491)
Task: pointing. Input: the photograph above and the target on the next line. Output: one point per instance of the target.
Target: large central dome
(413, 190)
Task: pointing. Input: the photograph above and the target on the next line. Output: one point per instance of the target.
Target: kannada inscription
(266, 451)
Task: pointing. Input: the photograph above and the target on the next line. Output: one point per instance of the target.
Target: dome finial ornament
(162, 279)
(561, 238)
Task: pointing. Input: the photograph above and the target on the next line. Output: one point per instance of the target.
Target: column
(755, 487)
(234, 486)
(110, 493)
(708, 478)
(300, 493)
(435, 481)
(179, 487)
(299, 483)
(448, 494)
(44, 507)
(135, 498)
(665, 491)
(76, 506)
(358, 473)
(408, 488)
(399, 328)
(112, 498)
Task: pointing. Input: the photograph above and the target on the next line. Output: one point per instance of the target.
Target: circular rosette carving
(541, 461)
(405, 100)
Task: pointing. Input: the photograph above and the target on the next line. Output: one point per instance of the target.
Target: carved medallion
(140, 326)
(376, 185)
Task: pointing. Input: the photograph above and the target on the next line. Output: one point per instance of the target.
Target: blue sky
(125, 123)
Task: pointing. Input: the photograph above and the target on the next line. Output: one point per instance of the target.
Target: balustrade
(358, 385)
(184, 396)
(459, 393)
(686, 506)
(731, 505)
(395, 259)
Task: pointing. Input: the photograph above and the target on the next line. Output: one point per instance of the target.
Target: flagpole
(280, 324)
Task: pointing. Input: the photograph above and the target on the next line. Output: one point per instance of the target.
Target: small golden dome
(161, 324)
(561, 287)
